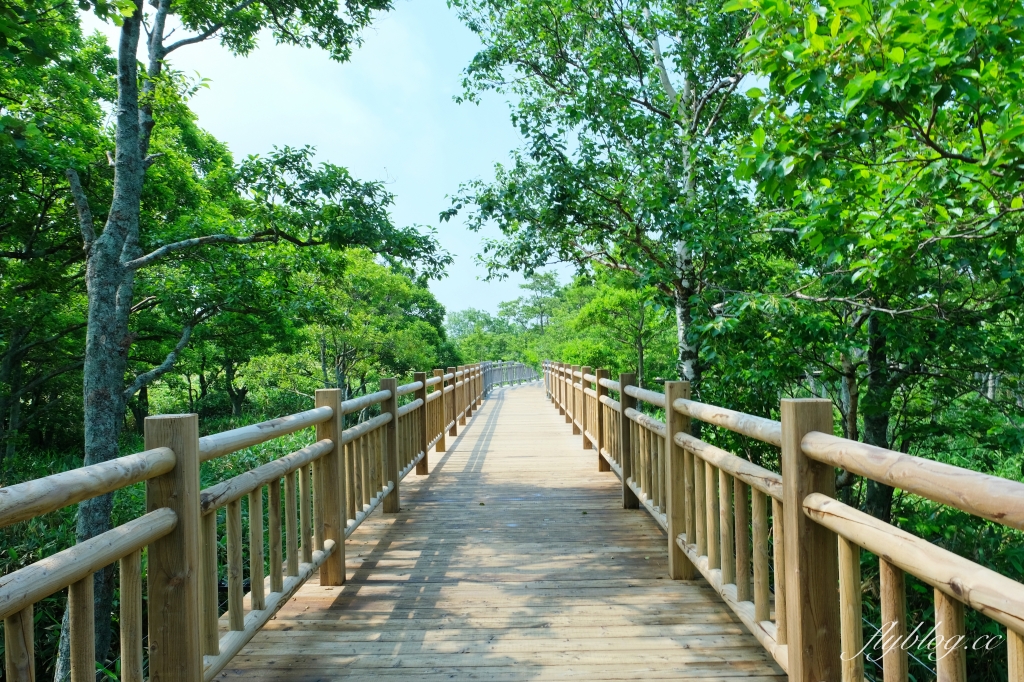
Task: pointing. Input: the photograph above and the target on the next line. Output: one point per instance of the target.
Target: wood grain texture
(330, 494)
(83, 631)
(512, 560)
(852, 632)
(811, 554)
(130, 570)
(950, 633)
(19, 646)
(175, 647)
(679, 567)
(892, 582)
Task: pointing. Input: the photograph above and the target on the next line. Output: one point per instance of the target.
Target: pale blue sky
(388, 114)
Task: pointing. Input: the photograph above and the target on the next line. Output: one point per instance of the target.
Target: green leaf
(1017, 202)
(897, 54)
(755, 93)
(1014, 132)
(736, 5)
(759, 136)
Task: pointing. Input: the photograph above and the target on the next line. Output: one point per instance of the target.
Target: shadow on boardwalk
(512, 560)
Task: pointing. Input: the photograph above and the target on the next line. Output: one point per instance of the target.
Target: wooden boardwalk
(512, 560)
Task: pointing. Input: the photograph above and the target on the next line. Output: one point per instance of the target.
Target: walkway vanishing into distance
(512, 560)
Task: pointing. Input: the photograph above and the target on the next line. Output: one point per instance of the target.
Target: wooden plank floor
(512, 560)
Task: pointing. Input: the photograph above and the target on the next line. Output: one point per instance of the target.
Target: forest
(766, 198)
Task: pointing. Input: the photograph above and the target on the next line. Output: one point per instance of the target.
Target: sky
(388, 114)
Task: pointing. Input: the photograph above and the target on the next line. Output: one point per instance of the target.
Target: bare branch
(82, 206)
(184, 244)
(730, 82)
(210, 31)
(146, 378)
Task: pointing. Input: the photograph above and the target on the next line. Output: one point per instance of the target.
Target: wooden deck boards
(512, 560)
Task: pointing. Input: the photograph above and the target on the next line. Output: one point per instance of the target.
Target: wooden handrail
(759, 428)
(43, 495)
(984, 590)
(356, 404)
(216, 496)
(406, 389)
(226, 442)
(46, 576)
(646, 395)
(990, 497)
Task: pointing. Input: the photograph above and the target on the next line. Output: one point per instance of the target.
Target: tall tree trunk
(13, 424)
(140, 409)
(237, 395)
(110, 287)
(876, 408)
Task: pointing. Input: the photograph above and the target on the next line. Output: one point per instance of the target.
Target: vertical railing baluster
(130, 612)
(291, 530)
(20, 648)
(209, 599)
(779, 555)
(441, 421)
(700, 499)
(233, 522)
(851, 631)
(83, 633)
(762, 595)
(257, 598)
(274, 528)
(714, 519)
(305, 509)
(728, 558)
(893, 598)
(742, 515)
(350, 482)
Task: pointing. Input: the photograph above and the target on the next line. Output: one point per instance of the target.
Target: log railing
(507, 373)
(329, 488)
(740, 525)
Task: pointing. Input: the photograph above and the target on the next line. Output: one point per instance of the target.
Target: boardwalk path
(513, 560)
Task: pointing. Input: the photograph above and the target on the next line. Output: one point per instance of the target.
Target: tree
(285, 197)
(625, 165)
(632, 317)
(891, 141)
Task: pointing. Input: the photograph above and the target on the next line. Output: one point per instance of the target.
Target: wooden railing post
(453, 406)
(629, 498)
(442, 408)
(602, 463)
(392, 503)
(175, 654)
(563, 393)
(333, 485)
(574, 400)
(583, 411)
(423, 427)
(811, 550)
(460, 404)
(679, 567)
